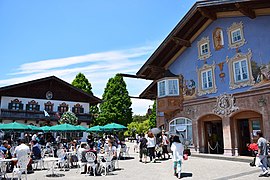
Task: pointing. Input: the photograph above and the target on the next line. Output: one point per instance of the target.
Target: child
(177, 156)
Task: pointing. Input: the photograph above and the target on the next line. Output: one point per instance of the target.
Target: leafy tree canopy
(116, 106)
(82, 83)
(153, 116)
(139, 118)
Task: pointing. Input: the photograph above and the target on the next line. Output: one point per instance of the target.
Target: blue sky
(96, 37)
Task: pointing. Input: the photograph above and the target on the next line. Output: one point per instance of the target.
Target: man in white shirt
(22, 149)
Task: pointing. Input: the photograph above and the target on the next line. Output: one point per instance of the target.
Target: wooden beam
(181, 42)
(208, 13)
(245, 10)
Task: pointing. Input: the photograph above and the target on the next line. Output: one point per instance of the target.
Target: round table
(53, 160)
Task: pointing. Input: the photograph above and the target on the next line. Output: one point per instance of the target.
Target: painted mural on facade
(227, 57)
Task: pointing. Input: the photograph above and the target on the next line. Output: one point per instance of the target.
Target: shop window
(78, 109)
(32, 106)
(183, 127)
(48, 106)
(15, 105)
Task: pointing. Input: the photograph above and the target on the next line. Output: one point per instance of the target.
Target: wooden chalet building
(26, 102)
(211, 76)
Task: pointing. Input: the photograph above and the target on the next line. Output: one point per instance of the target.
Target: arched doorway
(246, 124)
(183, 127)
(211, 131)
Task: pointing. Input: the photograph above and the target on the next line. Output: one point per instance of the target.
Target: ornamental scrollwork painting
(225, 105)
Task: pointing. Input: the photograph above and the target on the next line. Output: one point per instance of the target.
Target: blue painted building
(211, 76)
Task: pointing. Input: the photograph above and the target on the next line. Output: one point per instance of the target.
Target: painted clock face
(49, 95)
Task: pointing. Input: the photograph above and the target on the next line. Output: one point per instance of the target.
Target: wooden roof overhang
(198, 18)
(38, 88)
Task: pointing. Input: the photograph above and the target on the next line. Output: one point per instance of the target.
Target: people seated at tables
(5, 148)
(36, 151)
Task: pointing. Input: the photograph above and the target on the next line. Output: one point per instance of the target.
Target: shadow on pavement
(183, 175)
(126, 158)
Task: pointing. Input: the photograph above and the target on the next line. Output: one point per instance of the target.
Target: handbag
(258, 162)
(187, 151)
(185, 157)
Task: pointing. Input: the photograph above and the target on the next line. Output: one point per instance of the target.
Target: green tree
(69, 118)
(153, 117)
(139, 118)
(82, 83)
(116, 106)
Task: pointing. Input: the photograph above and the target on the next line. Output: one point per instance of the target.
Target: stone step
(246, 159)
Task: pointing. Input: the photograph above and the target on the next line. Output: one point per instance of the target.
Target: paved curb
(222, 157)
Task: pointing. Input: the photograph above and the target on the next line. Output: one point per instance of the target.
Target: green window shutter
(9, 105)
(81, 110)
(59, 109)
(27, 107)
(21, 106)
(73, 109)
(37, 107)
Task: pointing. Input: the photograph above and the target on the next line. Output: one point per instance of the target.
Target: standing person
(262, 153)
(151, 143)
(143, 147)
(177, 155)
(165, 144)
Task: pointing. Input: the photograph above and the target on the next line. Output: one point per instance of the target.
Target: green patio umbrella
(95, 129)
(114, 127)
(81, 128)
(45, 128)
(34, 128)
(64, 128)
(14, 127)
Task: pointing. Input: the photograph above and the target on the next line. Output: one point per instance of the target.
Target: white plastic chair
(107, 164)
(91, 157)
(62, 155)
(80, 163)
(118, 152)
(40, 161)
(21, 167)
(3, 167)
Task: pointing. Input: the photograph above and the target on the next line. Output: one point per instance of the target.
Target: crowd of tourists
(156, 147)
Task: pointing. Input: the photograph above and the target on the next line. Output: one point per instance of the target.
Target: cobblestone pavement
(194, 168)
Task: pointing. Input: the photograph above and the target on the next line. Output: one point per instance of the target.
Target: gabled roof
(198, 18)
(37, 89)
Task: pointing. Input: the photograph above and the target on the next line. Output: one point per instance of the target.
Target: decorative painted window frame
(204, 40)
(240, 56)
(233, 28)
(206, 67)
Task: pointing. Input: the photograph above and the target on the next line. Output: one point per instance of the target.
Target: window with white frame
(204, 48)
(183, 127)
(173, 87)
(162, 88)
(236, 35)
(207, 79)
(168, 87)
(240, 70)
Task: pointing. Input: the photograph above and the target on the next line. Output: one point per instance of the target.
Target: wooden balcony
(9, 114)
(170, 104)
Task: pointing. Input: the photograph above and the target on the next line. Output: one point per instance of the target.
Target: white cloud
(97, 67)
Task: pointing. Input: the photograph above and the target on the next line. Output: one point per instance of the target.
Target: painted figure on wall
(261, 74)
(218, 39)
(189, 87)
